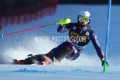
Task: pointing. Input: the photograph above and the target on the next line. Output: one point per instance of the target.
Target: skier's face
(83, 21)
(83, 24)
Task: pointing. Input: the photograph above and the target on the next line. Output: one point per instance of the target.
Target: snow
(55, 72)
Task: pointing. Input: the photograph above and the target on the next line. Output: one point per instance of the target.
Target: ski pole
(29, 29)
(62, 21)
(107, 36)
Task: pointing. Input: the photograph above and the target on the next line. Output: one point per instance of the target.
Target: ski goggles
(82, 18)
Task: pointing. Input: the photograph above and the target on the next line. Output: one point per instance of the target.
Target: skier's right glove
(107, 64)
(64, 21)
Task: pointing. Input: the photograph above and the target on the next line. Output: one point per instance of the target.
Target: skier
(80, 34)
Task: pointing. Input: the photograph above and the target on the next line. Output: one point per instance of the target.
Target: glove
(64, 21)
(107, 64)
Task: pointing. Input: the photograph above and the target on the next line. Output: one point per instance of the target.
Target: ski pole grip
(64, 21)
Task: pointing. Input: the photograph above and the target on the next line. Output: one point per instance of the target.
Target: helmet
(84, 14)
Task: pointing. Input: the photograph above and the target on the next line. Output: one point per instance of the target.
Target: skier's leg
(60, 51)
(30, 60)
(74, 55)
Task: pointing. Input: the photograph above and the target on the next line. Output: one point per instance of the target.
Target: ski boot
(18, 61)
(40, 59)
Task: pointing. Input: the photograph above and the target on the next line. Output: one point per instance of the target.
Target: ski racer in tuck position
(80, 34)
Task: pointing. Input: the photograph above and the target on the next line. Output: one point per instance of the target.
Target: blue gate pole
(107, 35)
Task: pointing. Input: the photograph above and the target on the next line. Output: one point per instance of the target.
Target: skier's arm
(64, 24)
(64, 28)
(96, 45)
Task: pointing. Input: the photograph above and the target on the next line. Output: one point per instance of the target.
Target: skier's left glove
(64, 21)
(107, 64)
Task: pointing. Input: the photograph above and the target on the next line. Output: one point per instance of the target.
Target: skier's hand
(107, 64)
(64, 21)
